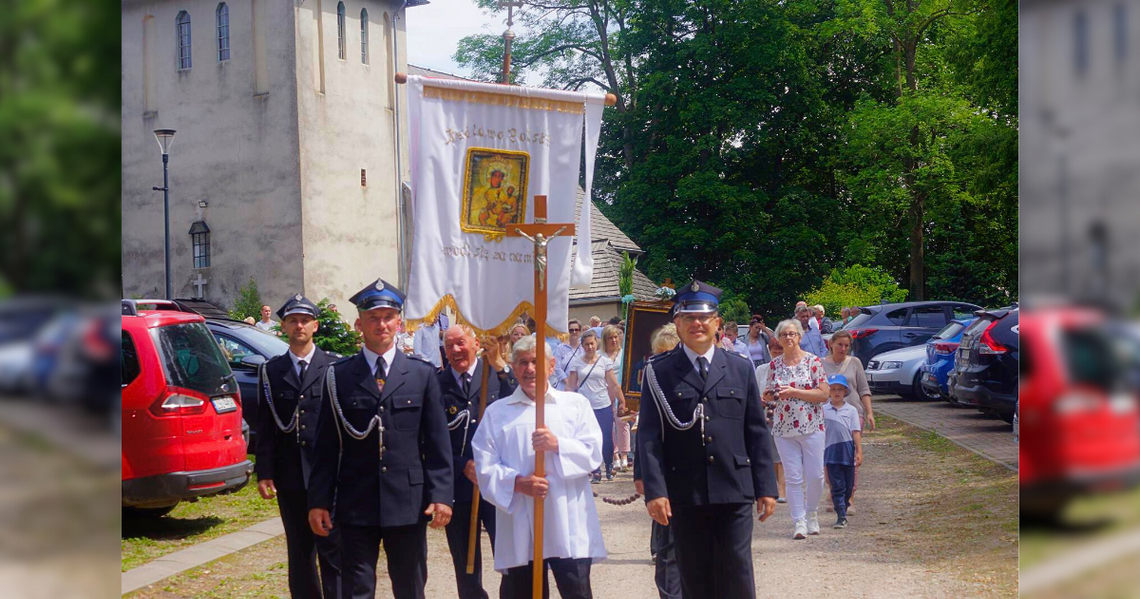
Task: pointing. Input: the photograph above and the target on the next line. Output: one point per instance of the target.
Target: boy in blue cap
(843, 446)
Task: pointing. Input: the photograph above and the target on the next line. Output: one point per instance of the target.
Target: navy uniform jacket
(287, 458)
(416, 467)
(454, 403)
(734, 464)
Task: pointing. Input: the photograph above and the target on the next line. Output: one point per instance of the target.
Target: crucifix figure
(539, 233)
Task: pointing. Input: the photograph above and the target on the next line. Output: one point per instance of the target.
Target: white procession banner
(480, 152)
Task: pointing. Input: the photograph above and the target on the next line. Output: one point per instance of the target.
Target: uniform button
(383, 469)
(704, 400)
(706, 418)
(302, 427)
(302, 397)
(381, 409)
(302, 411)
(708, 439)
(304, 443)
(711, 459)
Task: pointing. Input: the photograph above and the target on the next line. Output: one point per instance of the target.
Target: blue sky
(435, 29)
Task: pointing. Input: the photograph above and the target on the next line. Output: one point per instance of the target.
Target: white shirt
(388, 357)
(693, 355)
(762, 376)
(425, 344)
(308, 358)
(266, 326)
(503, 450)
(459, 375)
(594, 386)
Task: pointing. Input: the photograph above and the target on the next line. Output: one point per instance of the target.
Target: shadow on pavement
(165, 529)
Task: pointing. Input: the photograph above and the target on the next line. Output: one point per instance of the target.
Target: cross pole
(539, 233)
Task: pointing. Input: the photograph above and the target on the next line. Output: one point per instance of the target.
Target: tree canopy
(761, 144)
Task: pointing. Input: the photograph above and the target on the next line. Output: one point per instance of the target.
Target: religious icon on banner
(494, 191)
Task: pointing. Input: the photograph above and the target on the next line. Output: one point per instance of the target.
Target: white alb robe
(503, 450)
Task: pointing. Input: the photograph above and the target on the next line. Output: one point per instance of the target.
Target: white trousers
(802, 456)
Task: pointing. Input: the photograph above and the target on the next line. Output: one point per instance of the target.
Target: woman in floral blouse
(798, 386)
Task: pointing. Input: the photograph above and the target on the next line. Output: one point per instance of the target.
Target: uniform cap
(379, 294)
(298, 304)
(697, 298)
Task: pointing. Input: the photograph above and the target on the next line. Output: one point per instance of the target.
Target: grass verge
(143, 540)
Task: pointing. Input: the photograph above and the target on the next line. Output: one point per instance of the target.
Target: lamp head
(165, 137)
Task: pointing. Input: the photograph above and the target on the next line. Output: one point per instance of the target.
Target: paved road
(987, 436)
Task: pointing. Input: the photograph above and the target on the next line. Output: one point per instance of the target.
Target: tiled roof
(607, 271)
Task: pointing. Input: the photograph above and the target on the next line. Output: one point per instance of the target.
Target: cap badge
(695, 287)
(297, 297)
(379, 285)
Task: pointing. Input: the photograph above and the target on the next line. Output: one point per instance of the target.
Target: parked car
(940, 352)
(22, 319)
(1079, 423)
(246, 348)
(985, 368)
(899, 372)
(887, 327)
(181, 411)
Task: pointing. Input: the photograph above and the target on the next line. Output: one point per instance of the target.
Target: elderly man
(461, 384)
(826, 327)
(812, 341)
(383, 454)
(505, 446)
(706, 451)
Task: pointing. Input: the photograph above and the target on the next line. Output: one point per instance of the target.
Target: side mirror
(252, 360)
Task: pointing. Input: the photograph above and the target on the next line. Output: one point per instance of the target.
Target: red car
(1079, 418)
(182, 423)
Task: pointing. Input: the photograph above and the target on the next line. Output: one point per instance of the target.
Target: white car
(899, 372)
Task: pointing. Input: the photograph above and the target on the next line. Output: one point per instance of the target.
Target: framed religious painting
(494, 191)
(644, 319)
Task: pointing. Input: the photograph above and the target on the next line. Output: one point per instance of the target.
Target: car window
(191, 358)
(897, 317)
(858, 321)
(129, 360)
(233, 349)
(1091, 358)
(950, 330)
(266, 344)
(928, 317)
(962, 312)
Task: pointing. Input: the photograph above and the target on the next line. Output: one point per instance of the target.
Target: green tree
(735, 309)
(248, 302)
(334, 334)
(855, 285)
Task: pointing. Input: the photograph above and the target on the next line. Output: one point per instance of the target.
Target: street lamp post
(165, 137)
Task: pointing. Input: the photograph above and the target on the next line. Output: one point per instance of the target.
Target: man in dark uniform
(705, 450)
(383, 454)
(292, 389)
(460, 383)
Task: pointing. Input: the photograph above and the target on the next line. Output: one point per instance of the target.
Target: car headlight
(890, 365)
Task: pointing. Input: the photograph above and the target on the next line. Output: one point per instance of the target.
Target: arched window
(341, 52)
(364, 36)
(183, 40)
(223, 15)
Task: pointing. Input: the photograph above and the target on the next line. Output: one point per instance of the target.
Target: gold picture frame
(644, 318)
(490, 204)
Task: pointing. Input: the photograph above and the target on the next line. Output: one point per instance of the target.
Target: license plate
(964, 355)
(224, 404)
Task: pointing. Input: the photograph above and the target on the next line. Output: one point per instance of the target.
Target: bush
(334, 334)
(855, 285)
(248, 302)
(735, 309)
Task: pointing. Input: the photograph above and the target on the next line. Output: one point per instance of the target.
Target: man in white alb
(504, 448)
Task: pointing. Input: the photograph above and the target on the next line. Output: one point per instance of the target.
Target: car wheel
(920, 392)
(147, 513)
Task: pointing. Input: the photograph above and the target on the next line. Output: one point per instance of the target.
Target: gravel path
(931, 520)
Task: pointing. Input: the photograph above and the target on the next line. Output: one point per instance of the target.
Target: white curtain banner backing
(480, 153)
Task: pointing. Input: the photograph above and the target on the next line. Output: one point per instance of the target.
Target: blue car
(940, 352)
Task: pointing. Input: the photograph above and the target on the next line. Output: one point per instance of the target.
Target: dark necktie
(466, 385)
(304, 368)
(703, 367)
(381, 375)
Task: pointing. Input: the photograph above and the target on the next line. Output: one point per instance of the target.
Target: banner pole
(473, 531)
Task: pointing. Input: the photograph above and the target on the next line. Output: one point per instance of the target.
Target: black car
(886, 327)
(986, 367)
(246, 347)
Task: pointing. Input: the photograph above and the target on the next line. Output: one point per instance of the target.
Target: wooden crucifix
(539, 233)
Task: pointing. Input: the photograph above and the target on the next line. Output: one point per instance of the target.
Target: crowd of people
(415, 431)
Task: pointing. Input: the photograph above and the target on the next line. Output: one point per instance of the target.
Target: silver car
(899, 372)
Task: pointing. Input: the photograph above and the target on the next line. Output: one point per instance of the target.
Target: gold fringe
(503, 328)
(474, 97)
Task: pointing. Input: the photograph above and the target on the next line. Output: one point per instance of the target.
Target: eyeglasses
(575, 330)
(790, 334)
(701, 318)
